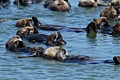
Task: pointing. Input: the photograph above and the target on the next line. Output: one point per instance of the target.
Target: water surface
(101, 48)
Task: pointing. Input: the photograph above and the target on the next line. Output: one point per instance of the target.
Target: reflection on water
(100, 46)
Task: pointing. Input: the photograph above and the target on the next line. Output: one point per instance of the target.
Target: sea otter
(93, 3)
(23, 22)
(15, 44)
(28, 22)
(26, 30)
(110, 13)
(49, 27)
(57, 5)
(56, 53)
(31, 34)
(98, 23)
(60, 54)
(116, 3)
(87, 3)
(27, 2)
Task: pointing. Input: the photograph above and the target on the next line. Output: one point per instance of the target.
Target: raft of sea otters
(28, 29)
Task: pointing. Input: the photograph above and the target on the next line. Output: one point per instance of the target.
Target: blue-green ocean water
(101, 48)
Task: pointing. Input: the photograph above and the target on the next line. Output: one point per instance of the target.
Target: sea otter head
(56, 53)
(15, 43)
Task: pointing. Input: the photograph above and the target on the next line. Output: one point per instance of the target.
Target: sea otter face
(15, 43)
(55, 53)
(61, 54)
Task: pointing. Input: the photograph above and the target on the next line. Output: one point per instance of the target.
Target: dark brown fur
(109, 12)
(87, 3)
(26, 31)
(50, 39)
(92, 27)
(58, 5)
(23, 22)
(15, 43)
(116, 30)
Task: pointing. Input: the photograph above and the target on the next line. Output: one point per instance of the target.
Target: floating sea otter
(60, 54)
(98, 23)
(93, 3)
(15, 44)
(88, 3)
(57, 5)
(4, 3)
(116, 3)
(23, 22)
(110, 13)
(50, 27)
(32, 35)
(26, 27)
(27, 2)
